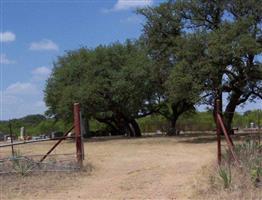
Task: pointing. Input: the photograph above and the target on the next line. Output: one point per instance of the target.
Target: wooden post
(78, 136)
(218, 128)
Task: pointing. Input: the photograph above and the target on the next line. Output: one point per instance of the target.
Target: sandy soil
(145, 168)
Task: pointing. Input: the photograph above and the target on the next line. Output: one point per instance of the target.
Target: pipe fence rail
(45, 154)
(253, 130)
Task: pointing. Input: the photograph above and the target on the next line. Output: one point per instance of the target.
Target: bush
(21, 164)
(232, 181)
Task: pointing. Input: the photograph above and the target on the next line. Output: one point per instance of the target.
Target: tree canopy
(112, 83)
(214, 47)
(190, 52)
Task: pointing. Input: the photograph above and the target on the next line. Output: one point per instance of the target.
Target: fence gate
(45, 154)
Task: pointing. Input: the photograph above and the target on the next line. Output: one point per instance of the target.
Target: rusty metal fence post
(221, 128)
(78, 135)
(218, 130)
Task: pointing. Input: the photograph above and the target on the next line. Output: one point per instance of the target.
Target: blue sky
(34, 32)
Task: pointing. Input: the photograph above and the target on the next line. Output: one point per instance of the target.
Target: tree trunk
(228, 118)
(135, 128)
(86, 128)
(178, 109)
(128, 125)
(114, 127)
(230, 111)
(132, 128)
(172, 130)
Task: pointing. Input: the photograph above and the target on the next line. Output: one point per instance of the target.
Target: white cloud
(20, 99)
(7, 36)
(128, 4)
(44, 44)
(41, 73)
(24, 98)
(134, 19)
(17, 106)
(4, 60)
(21, 88)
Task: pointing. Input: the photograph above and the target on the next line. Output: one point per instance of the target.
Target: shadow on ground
(196, 138)
(208, 138)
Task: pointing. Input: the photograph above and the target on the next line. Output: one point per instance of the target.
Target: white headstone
(22, 132)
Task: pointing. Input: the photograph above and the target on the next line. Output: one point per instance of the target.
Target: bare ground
(145, 168)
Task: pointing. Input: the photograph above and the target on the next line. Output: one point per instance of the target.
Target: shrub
(21, 165)
(232, 181)
(249, 154)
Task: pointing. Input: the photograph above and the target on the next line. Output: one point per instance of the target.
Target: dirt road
(149, 168)
(146, 168)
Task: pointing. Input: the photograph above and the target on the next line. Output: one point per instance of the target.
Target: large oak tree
(215, 49)
(112, 83)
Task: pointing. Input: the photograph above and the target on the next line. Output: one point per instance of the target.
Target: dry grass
(145, 168)
(232, 181)
(210, 186)
(35, 185)
(38, 185)
(40, 148)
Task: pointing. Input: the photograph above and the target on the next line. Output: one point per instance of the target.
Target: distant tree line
(197, 121)
(190, 53)
(33, 124)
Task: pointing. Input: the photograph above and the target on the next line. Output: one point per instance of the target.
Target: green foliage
(242, 179)
(205, 49)
(225, 175)
(153, 123)
(163, 36)
(190, 53)
(254, 116)
(233, 181)
(94, 125)
(112, 83)
(34, 125)
(248, 173)
(198, 121)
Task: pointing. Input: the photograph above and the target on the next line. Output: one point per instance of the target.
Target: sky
(33, 33)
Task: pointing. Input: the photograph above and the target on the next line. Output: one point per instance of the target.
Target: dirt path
(147, 168)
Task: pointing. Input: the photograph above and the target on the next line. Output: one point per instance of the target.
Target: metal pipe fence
(44, 154)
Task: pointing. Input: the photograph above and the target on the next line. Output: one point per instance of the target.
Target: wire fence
(28, 164)
(26, 158)
(45, 154)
